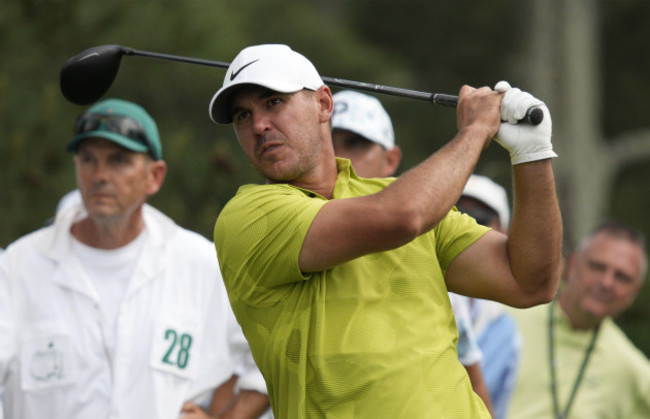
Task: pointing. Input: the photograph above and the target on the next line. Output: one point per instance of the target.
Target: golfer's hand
(478, 108)
(525, 142)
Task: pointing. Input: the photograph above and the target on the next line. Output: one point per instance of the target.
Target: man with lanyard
(339, 282)
(576, 363)
(113, 310)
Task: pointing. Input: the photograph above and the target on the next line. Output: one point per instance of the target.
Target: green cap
(120, 108)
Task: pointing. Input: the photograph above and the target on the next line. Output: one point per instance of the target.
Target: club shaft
(180, 58)
(437, 98)
(533, 116)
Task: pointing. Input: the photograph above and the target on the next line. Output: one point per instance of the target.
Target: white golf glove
(525, 142)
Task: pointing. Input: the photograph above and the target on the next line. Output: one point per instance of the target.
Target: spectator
(114, 310)
(576, 362)
(363, 133)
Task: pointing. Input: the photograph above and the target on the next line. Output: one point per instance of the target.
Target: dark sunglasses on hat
(119, 124)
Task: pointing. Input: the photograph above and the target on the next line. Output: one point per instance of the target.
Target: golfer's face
(279, 132)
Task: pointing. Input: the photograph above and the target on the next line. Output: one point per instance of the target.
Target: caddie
(113, 310)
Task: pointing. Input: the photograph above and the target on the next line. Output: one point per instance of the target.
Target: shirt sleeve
(258, 237)
(455, 233)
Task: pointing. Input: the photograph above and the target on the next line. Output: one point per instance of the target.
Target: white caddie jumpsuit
(176, 340)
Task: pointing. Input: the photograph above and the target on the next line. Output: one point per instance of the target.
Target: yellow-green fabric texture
(616, 382)
(373, 337)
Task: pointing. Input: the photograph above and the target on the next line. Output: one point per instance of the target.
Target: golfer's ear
(325, 102)
(393, 158)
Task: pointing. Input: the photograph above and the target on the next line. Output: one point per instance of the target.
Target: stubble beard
(299, 162)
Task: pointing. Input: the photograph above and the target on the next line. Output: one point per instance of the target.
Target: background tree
(599, 143)
(585, 58)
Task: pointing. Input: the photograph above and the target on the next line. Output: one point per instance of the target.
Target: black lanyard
(583, 367)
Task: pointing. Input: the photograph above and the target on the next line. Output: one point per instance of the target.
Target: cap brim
(125, 142)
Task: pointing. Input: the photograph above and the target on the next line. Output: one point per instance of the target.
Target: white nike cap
(363, 115)
(484, 189)
(274, 66)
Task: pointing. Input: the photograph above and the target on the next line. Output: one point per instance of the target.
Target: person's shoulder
(251, 198)
(359, 186)
(29, 253)
(626, 363)
(182, 240)
(462, 219)
(190, 242)
(29, 242)
(248, 192)
(380, 182)
(191, 249)
(456, 226)
(186, 237)
(621, 345)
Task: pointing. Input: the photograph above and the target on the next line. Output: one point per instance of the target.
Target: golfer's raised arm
(346, 229)
(522, 269)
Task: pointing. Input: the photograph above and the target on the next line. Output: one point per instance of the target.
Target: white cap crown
(364, 115)
(274, 66)
(484, 189)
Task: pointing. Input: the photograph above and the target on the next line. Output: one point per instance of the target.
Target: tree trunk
(563, 65)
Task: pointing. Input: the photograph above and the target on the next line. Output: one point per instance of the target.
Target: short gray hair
(620, 231)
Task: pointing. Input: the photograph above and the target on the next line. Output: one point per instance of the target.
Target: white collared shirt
(176, 337)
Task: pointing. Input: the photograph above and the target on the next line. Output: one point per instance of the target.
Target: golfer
(339, 282)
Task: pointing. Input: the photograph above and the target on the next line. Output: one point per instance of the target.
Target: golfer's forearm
(412, 205)
(535, 234)
(426, 193)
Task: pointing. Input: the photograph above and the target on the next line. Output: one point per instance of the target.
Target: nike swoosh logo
(236, 73)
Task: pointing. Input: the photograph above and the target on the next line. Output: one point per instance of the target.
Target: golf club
(87, 76)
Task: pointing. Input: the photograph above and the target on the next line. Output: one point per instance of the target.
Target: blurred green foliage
(432, 46)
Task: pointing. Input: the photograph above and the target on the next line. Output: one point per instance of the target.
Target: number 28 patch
(176, 345)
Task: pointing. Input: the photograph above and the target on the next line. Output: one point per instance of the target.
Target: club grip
(534, 115)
